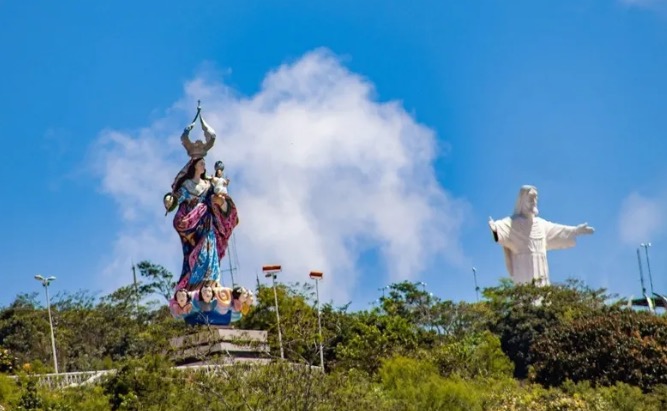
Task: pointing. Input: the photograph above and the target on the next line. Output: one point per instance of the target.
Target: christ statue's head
(526, 204)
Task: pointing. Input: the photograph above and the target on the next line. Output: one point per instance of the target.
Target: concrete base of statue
(220, 345)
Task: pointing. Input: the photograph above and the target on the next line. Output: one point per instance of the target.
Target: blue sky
(567, 96)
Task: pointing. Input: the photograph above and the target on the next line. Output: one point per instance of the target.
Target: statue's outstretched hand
(189, 128)
(492, 224)
(585, 229)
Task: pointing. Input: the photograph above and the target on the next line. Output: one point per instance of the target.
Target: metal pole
(382, 289)
(641, 273)
(474, 274)
(648, 266)
(424, 304)
(136, 289)
(231, 269)
(280, 335)
(319, 323)
(53, 339)
(45, 283)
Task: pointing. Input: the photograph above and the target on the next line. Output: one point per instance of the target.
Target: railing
(193, 346)
(73, 379)
(69, 379)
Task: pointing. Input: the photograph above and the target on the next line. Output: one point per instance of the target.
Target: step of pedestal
(216, 342)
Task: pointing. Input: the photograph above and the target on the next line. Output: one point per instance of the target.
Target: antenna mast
(136, 288)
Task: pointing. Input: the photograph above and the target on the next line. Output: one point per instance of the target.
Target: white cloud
(640, 219)
(320, 172)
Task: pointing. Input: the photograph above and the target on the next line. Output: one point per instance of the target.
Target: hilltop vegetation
(564, 347)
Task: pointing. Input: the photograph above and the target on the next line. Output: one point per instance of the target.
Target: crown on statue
(197, 150)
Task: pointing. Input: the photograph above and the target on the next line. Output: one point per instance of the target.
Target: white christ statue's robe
(526, 245)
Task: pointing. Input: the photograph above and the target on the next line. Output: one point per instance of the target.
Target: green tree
(9, 392)
(90, 333)
(298, 321)
(452, 319)
(417, 386)
(24, 330)
(30, 399)
(372, 337)
(477, 355)
(522, 313)
(604, 348)
(406, 300)
(147, 383)
(8, 361)
(159, 280)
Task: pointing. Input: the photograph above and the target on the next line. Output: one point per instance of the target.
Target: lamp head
(271, 270)
(45, 281)
(316, 275)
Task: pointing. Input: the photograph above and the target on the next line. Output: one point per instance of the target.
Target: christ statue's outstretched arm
(494, 229)
(560, 236)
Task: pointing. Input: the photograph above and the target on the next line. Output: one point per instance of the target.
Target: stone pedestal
(220, 345)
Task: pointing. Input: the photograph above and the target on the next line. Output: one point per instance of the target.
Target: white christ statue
(525, 239)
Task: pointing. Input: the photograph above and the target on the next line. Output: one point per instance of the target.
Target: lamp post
(648, 265)
(317, 276)
(474, 276)
(641, 272)
(426, 304)
(649, 299)
(383, 289)
(272, 271)
(45, 283)
(136, 289)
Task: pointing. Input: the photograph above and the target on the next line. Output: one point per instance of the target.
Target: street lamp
(425, 304)
(272, 271)
(641, 272)
(474, 275)
(648, 265)
(383, 289)
(46, 282)
(317, 276)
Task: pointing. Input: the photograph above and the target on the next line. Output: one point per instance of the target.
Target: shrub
(625, 346)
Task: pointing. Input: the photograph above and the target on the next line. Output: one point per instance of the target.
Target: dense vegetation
(563, 347)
